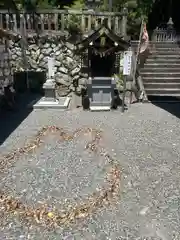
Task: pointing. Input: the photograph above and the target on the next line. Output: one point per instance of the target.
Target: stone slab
(99, 108)
(62, 103)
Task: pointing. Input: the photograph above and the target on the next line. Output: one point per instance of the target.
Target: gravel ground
(145, 141)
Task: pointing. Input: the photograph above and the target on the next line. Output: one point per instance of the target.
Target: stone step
(164, 99)
(150, 65)
(163, 92)
(162, 85)
(164, 56)
(164, 44)
(163, 48)
(158, 52)
(163, 60)
(156, 69)
(165, 95)
(161, 79)
(158, 44)
(161, 74)
(162, 51)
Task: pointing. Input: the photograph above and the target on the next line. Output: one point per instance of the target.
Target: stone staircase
(161, 72)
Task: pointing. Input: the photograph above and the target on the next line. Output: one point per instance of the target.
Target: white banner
(127, 63)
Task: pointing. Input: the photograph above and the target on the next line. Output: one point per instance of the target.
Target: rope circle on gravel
(55, 218)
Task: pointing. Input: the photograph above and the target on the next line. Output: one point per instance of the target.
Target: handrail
(66, 11)
(61, 21)
(138, 51)
(139, 81)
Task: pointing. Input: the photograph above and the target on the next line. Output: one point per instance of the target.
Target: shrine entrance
(101, 51)
(102, 66)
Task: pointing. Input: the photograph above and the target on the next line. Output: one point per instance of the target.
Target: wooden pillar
(154, 35)
(23, 43)
(124, 23)
(89, 62)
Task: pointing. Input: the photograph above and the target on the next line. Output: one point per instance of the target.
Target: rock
(53, 46)
(45, 59)
(32, 63)
(69, 53)
(84, 75)
(63, 70)
(75, 71)
(57, 63)
(74, 65)
(34, 55)
(41, 56)
(83, 81)
(13, 57)
(72, 88)
(33, 47)
(47, 45)
(59, 57)
(38, 52)
(64, 49)
(61, 78)
(56, 48)
(70, 46)
(75, 78)
(62, 90)
(62, 81)
(47, 51)
(51, 55)
(18, 52)
(69, 60)
(57, 53)
(40, 70)
(65, 76)
(42, 64)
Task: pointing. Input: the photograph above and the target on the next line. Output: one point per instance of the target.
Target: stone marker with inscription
(50, 100)
(49, 85)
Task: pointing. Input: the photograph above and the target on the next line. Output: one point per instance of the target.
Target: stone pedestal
(49, 100)
(49, 90)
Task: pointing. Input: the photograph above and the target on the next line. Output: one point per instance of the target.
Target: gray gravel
(145, 141)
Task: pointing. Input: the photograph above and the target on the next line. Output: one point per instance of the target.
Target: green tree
(137, 9)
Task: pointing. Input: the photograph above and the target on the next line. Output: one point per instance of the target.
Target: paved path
(144, 140)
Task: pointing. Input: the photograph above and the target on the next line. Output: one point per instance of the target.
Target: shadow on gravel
(10, 120)
(169, 104)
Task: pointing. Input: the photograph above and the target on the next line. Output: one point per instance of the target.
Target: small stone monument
(49, 100)
(49, 85)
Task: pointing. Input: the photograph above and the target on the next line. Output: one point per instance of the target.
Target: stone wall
(67, 63)
(5, 69)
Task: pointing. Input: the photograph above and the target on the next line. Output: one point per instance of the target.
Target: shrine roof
(103, 31)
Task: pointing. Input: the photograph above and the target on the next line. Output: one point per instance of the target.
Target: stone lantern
(92, 4)
(170, 24)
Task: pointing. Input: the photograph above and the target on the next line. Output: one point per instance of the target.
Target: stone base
(99, 108)
(43, 103)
